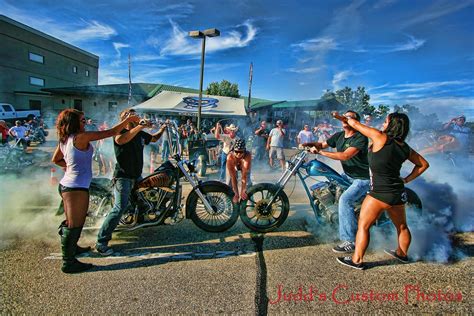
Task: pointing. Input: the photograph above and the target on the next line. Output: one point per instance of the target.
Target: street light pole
(203, 35)
(201, 81)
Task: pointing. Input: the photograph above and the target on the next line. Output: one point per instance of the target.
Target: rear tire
(99, 206)
(253, 213)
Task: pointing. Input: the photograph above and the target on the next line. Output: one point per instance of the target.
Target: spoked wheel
(258, 215)
(223, 214)
(99, 207)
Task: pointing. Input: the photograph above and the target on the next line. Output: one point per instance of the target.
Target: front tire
(224, 214)
(254, 213)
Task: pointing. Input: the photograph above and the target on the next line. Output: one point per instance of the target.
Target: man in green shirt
(351, 149)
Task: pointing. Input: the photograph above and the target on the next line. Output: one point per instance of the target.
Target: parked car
(9, 114)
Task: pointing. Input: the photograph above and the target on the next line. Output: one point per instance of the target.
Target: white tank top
(78, 165)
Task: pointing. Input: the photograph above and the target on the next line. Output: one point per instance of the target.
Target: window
(74, 69)
(7, 108)
(36, 58)
(37, 81)
(87, 73)
(112, 105)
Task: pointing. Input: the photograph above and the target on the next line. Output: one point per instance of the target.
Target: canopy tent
(186, 104)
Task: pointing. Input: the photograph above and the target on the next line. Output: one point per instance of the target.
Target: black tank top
(385, 166)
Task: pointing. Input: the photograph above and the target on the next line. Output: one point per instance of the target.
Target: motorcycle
(157, 198)
(267, 206)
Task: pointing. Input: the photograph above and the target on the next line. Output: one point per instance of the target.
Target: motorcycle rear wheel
(99, 206)
(253, 212)
(225, 213)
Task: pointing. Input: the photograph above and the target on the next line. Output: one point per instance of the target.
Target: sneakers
(393, 253)
(104, 250)
(347, 261)
(345, 247)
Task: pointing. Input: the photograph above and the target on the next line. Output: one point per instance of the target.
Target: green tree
(223, 88)
(381, 111)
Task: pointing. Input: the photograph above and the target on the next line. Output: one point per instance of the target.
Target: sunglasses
(238, 152)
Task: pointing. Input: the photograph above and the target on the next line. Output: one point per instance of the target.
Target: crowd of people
(370, 166)
(23, 132)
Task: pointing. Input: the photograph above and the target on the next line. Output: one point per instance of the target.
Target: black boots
(69, 239)
(79, 250)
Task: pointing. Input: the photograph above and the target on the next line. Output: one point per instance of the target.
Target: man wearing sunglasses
(352, 149)
(239, 159)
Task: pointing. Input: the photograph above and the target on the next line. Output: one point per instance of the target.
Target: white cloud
(92, 30)
(432, 84)
(147, 57)
(437, 9)
(181, 44)
(325, 44)
(412, 44)
(317, 44)
(118, 47)
(306, 70)
(340, 77)
(74, 33)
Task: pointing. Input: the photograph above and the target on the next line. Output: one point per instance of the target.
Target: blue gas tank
(316, 168)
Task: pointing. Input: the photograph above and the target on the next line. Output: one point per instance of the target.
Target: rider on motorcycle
(128, 170)
(351, 149)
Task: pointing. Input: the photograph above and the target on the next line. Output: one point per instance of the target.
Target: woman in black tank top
(387, 191)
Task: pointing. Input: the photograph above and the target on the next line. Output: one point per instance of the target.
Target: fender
(203, 185)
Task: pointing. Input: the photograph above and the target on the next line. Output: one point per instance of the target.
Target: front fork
(194, 184)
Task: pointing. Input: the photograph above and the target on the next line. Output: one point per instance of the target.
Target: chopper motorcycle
(156, 199)
(267, 206)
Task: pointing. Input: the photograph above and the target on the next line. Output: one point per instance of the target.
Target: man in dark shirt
(128, 147)
(351, 149)
(261, 141)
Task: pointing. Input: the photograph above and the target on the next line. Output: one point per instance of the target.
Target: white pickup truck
(8, 113)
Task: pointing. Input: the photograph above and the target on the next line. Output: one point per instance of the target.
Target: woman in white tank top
(74, 155)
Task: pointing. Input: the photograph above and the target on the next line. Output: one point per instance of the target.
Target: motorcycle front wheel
(258, 215)
(224, 214)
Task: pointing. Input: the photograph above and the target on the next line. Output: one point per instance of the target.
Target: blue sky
(417, 52)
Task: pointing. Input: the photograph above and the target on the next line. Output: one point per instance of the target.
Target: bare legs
(76, 204)
(370, 211)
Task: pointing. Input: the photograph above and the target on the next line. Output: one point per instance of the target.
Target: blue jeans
(223, 167)
(165, 150)
(347, 218)
(122, 189)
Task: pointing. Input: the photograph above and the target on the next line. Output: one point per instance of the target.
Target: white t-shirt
(227, 141)
(19, 131)
(305, 137)
(277, 137)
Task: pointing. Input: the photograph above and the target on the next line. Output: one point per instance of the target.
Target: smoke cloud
(27, 209)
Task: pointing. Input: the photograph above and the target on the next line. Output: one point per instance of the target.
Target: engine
(153, 202)
(326, 196)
